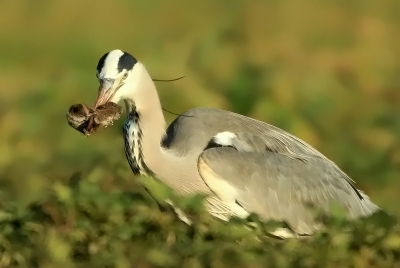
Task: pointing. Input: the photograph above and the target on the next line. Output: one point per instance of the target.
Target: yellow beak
(106, 90)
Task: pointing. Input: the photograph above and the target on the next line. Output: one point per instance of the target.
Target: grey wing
(250, 173)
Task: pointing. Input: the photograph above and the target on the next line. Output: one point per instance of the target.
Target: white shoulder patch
(224, 138)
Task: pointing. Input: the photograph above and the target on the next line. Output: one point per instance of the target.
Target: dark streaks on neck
(133, 142)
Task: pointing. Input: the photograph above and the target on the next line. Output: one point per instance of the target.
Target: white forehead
(109, 68)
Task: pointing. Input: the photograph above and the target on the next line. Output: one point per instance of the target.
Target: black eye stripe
(126, 61)
(100, 64)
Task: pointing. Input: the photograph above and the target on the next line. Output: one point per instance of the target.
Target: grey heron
(243, 165)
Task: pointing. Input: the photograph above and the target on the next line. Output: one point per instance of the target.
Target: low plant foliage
(80, 224)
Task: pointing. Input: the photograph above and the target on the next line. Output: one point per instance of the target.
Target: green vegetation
(88, 224)
(326, 71)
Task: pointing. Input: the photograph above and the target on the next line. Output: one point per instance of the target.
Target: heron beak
(106, 91)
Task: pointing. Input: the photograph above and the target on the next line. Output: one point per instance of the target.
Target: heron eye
(125, 76)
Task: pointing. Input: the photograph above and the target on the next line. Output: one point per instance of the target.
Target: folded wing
(261, 174)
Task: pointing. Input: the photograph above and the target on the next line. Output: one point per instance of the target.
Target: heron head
(116, 75)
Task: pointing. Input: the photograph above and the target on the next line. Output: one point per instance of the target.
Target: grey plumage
(276, 175)
(243, 164)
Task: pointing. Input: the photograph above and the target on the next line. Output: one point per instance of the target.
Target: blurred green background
(325, 71)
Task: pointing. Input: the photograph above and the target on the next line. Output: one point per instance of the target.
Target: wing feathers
(278, 187)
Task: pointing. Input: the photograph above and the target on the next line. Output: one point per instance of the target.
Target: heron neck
(145, 105)
(166, 165)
